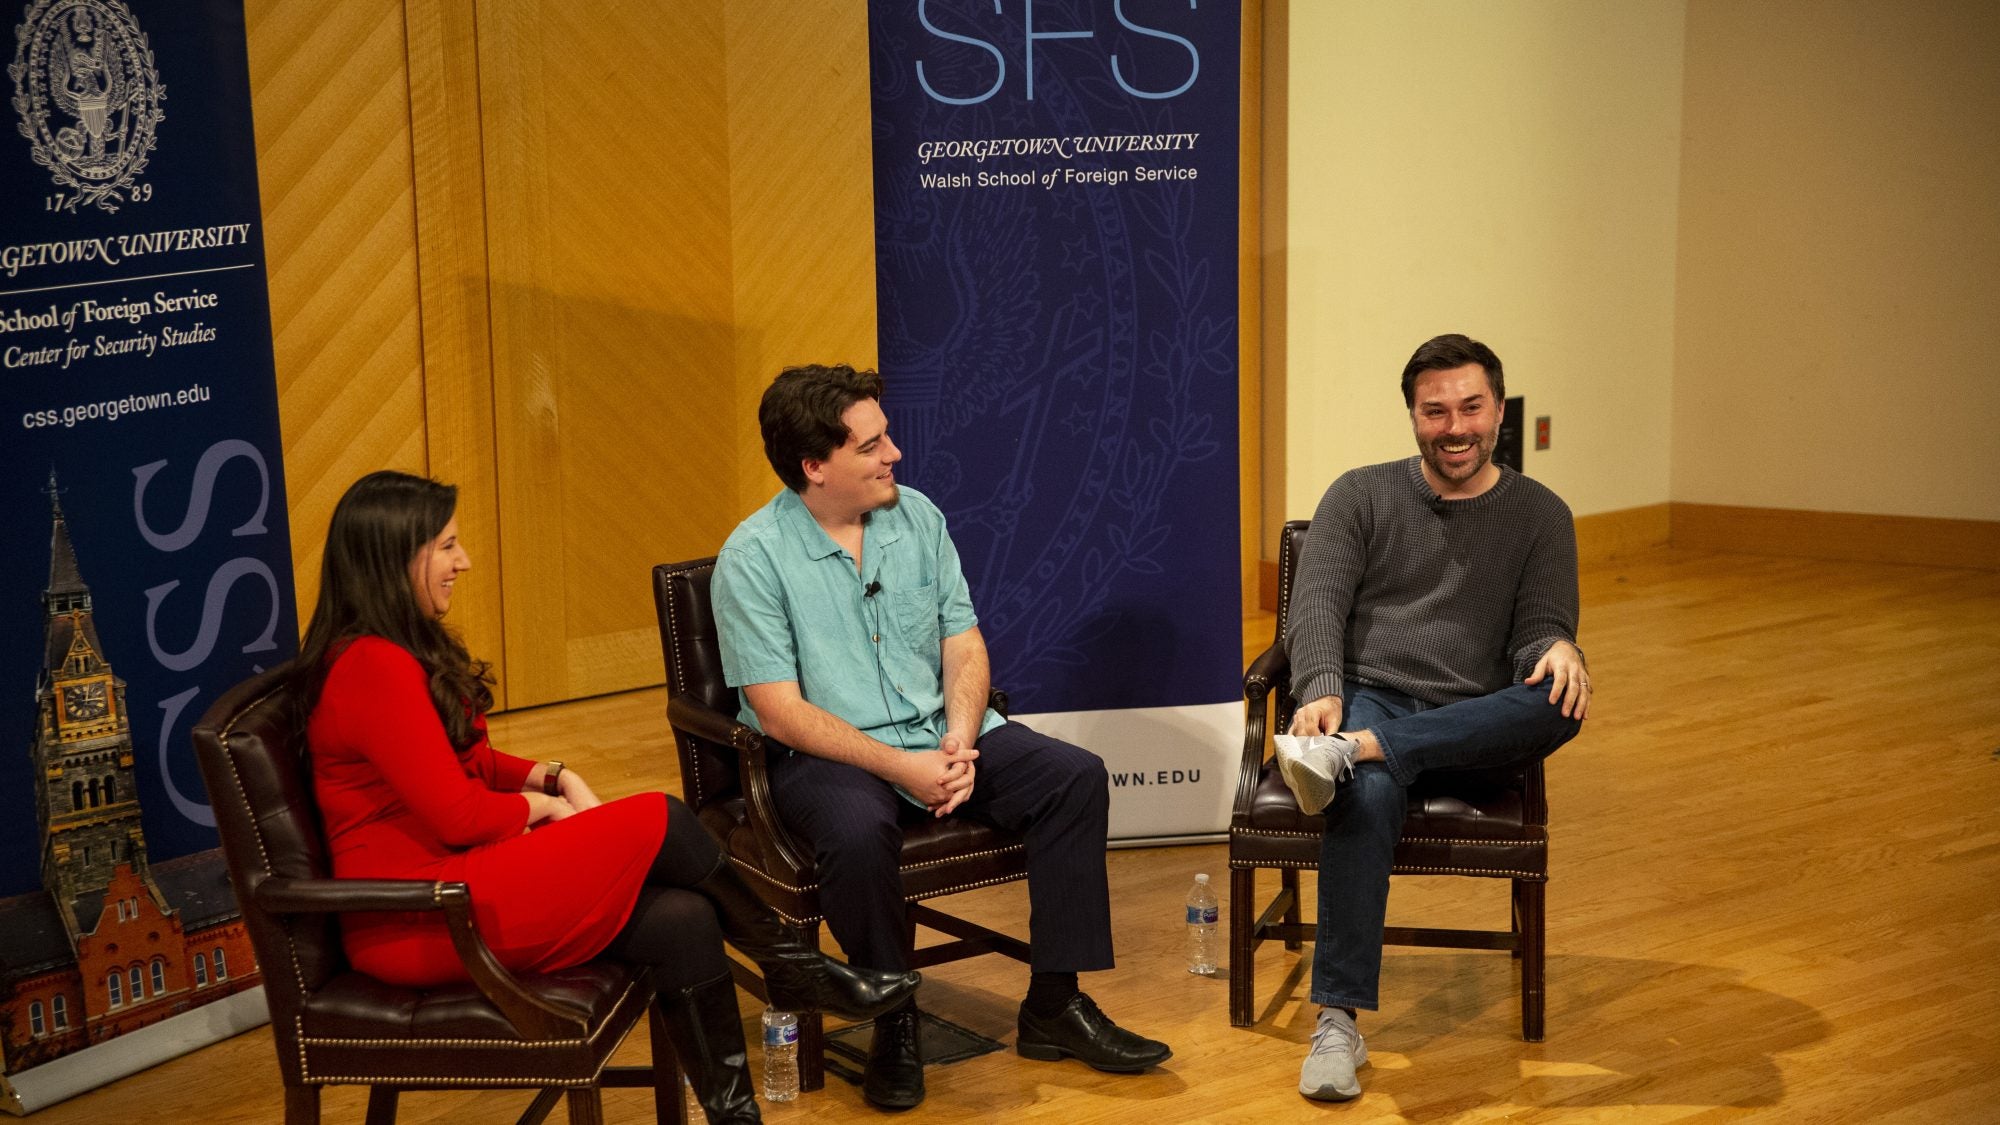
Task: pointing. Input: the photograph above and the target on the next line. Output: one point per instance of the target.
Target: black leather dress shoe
(895, 1075)
(799, 975)
(1086, 1034)
(805, 978)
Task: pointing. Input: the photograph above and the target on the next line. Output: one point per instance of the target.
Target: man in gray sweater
(1432, 627)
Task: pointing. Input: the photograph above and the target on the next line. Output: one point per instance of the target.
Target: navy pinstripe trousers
(1054, 794)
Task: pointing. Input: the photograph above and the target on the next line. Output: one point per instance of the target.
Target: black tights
(672, 928)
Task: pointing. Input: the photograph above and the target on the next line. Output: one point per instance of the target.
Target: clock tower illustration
(113, 941)
(86, 801)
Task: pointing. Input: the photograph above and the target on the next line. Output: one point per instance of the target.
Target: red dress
(399, 803)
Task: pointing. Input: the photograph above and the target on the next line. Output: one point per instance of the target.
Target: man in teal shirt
(847, 623)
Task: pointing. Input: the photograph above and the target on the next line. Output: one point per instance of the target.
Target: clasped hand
(942, 778)
(576, 797)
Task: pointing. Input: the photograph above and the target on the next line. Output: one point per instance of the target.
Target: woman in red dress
(409, 788)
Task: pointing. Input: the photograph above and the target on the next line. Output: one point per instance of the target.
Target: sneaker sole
(1313, 792)
(1335, 1093)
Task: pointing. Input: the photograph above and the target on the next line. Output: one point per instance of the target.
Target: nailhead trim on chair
(1267, 834)
(319, 1041)
(1487, 872)
(409, 1080)
(483, 1044)
(679, 662)
(242, 793)
(929, 863)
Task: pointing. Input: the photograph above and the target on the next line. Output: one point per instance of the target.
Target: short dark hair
(1442, 353)
(800, 415)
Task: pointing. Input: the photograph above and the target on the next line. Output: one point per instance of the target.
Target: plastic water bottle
(1202, 913)
(781, 1056)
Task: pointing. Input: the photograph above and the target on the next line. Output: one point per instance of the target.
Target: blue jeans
(1513, 725)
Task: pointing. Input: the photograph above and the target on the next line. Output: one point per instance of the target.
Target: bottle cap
(1202, 878)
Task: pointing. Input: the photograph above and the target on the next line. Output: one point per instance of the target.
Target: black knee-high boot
(707, 1032)
(798, 976)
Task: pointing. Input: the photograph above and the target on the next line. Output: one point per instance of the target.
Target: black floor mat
(941, 1042)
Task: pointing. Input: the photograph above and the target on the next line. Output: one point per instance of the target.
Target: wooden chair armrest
(532, 1016)
(753, 771)
(1271, 669)
(1269, 672)
(340, 896)
(691, 716)
(754, 774)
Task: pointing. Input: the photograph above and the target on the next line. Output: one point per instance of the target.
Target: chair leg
(302, 1105)
(1288, 878)
(586, 1106)
(1515, 921)
(1531, 905)
(1242, 944)
(382, 1105)
(812, 1029)
(812, 1051)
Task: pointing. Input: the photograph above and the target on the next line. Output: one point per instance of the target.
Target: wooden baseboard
(1607, 535)
(1840, 536)
(1834, 536)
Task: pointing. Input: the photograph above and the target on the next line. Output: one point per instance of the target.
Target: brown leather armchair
(333, 1025)
(1490, 824)
(726, 780)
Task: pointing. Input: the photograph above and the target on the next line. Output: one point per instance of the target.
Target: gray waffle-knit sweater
(1442, 600)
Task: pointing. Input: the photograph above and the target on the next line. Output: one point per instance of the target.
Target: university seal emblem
(89, 99)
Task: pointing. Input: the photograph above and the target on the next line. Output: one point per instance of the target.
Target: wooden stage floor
(1775, 894)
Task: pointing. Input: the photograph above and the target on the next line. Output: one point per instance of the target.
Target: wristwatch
(552, 779)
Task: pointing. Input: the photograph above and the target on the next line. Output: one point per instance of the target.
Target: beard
(895, 498)
(1482, 454)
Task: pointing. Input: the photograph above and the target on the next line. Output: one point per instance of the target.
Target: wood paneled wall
(608, 220)
(553, 254)
(330, 92)
(801, 184)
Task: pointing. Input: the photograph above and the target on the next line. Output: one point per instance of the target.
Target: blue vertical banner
(1056, 207)
(146, 562)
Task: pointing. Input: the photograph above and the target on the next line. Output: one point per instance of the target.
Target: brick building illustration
(112, 941)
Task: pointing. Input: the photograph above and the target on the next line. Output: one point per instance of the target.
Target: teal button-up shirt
(790, 605)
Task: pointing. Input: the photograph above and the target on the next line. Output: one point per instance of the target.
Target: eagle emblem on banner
(89, 99)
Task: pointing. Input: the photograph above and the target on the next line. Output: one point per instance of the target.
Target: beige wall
(1840, 257)
(1507, 170)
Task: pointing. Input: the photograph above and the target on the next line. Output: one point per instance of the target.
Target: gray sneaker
(1311, 766)
(1337, 1049)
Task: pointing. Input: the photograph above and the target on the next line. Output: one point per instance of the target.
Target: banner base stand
(132, 1052)
(1172, 770)
(1169, 841)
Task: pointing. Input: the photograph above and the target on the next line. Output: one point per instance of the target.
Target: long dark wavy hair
(364, 590)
